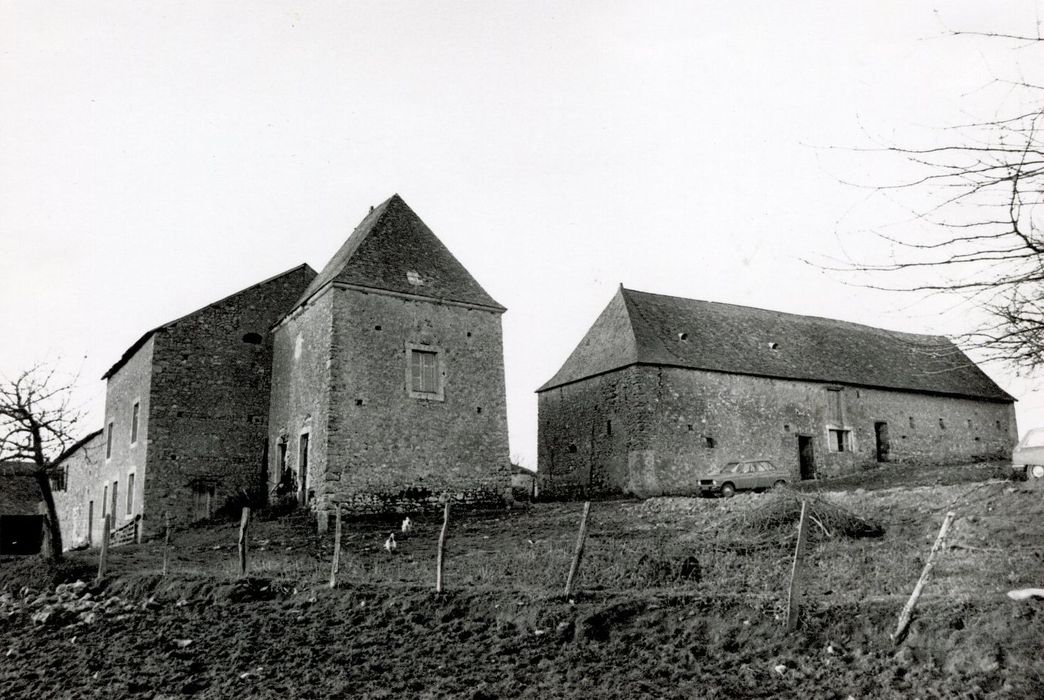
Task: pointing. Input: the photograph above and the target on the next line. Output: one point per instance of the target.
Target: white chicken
(407, 525)
(390, 544)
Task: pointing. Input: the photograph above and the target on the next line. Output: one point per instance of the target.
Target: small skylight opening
(773, 345)
(683, 336)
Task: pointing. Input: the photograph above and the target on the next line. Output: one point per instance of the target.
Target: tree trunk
(44, 482)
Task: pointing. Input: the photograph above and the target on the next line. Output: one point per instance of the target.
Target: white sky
(157, 156)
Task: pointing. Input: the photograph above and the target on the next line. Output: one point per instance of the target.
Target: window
(424, 372)
(708, 441)
(252, 338)
(130, 493)
(105, 499)
(942, 424)
(423, 366)
(59, 478)
(969, 424)
(912, 422)
(840, 440)
(135, 412)
(108, 441)
(115, 498)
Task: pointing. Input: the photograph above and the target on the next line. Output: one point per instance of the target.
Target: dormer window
(414, 278)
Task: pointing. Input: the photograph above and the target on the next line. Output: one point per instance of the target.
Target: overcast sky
(157, 156)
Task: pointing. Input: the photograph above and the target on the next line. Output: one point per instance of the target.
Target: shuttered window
(424, 372)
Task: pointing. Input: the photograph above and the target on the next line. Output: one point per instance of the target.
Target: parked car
(1028, 457)
(748, 475)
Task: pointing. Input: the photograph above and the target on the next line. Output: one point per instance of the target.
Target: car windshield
(1034, 438)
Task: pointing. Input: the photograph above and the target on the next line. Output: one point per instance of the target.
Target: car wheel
(728, 490)
(779, 484)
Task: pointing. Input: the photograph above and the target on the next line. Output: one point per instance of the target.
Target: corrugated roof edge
(129, 353)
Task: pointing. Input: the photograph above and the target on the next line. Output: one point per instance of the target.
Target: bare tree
(37, 424)
(975, 230)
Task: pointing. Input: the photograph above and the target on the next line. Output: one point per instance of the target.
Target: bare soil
(636, 628)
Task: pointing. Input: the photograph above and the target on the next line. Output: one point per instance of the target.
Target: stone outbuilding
(665, 389)
(75, 478)
(186, 413)
(388, 377)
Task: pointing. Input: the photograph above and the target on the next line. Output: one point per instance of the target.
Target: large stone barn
(186, 413)
(664, 389)
(388, 377)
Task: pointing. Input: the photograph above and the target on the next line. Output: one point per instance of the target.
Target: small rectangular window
(708, 441)
(58, 479)
(609, 428)
(115, 498)
(423, 371)
(130, 493)
(969, 424)
(840, 440)
(135, 410)
(912, 425)
(105, 500)
(108, 441)
(942, 424)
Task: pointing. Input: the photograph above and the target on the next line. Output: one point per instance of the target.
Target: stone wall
(123, 456)
(387, 450)
(300, 391)
(211, 381)
(652, 430)
(79, 518)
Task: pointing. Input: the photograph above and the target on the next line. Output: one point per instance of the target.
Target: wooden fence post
(440, 558)
(797, 572)
(335, 565)
(243, 522)
(904, 616)
(166, 542)
(578, 553)
(103, 559)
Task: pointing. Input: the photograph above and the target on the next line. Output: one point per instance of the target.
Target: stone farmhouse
(664, 389)
(378, 384)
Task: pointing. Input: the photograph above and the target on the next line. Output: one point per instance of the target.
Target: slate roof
(129, 353)
(654, 329)
(390, 242)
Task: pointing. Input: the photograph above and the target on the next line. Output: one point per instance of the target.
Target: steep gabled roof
(129, 353)
(393, 250)
(654, 329)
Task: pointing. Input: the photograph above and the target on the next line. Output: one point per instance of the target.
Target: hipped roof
(390, 242)
(655, 329)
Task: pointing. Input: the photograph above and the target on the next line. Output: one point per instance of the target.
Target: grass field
(643, 623)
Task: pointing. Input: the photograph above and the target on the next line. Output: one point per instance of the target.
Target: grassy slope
(634, 630)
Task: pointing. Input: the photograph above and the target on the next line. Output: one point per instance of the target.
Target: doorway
(806, 457)
(302, 468)
(883, 445)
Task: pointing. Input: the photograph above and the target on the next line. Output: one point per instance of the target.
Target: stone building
(75, 476)
(663, 390)
(186, 416)
(388, 377)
